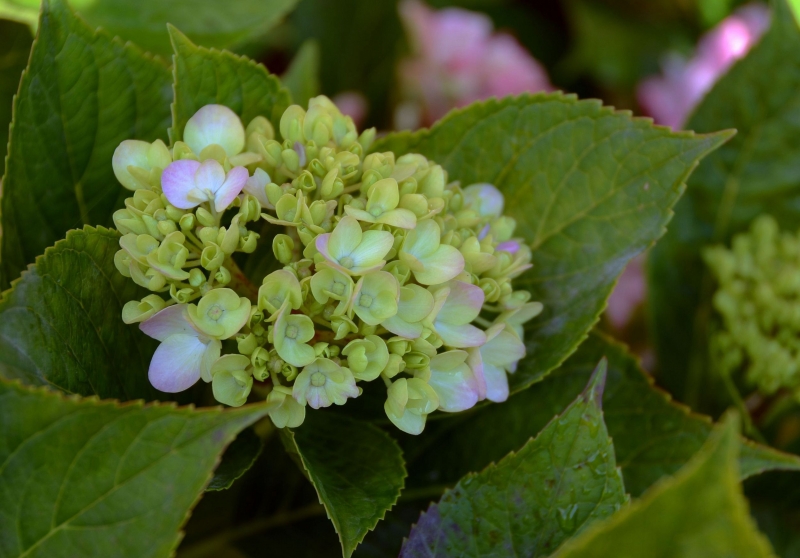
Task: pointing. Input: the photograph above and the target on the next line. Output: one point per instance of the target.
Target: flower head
(323, 383)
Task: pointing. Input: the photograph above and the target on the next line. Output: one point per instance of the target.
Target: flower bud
(214, 125)
(139, 311)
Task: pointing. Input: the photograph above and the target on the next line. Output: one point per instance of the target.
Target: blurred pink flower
(352, 104)
(456, 60)
(628, 294)
(671, 97)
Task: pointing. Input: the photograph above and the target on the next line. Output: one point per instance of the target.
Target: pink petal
(176, 364)
(235, 181)
(177, 181)
(455, 394)
(169, 321)
(463, 303)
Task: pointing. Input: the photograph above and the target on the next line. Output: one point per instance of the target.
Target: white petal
(209, 176)
(178, 181)
(463, 304)
(255, 186)
(169, 321)
(176, 364)
(234, 182)
(215, 124)
(443, 264)
(496, 383)
(460, 336)
(130, 152)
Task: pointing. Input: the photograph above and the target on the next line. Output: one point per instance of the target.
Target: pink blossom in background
(352, 104)
(628, 294)
(671, 97)
(456, 60)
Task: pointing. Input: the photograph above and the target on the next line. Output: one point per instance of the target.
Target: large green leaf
(356, 468)
(210, 22)
(590, 188)
(653, 436)
(531, 501)
(757, 172)
(95, 478)
(15, 46)
(237, 460)
(81, 95)
(701, 511)
(204, 76)
(61, 324)
(302, 77)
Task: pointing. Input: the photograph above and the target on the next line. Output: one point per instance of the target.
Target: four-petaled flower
(323, 383)
(352, 251)
(187, 184)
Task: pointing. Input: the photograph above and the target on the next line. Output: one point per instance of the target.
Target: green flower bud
(367, 357)
(409, 402)
(329, 284)
(138, 164)
(139, 311)
(291, 125)
(249, 242)
(246, 344)
(212, 257)
(332, 185)
(181, 151)
(222, 276)
(283, 248)
(343, 326)
(129, 223)
(291, 334)
(262, 126)
(205, 218)
(230, 381)
(187, 222)
(287, 412)
(170, 257)
(180, 296)
(196, 277)
(394, 366)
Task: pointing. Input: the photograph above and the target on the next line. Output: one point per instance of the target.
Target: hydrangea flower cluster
(386, 268)
(758, 301)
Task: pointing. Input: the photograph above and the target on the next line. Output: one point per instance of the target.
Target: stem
(210, 546)
(747, 421)
(484, 322)
(239, 282)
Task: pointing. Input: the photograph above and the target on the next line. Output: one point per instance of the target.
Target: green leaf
(61, 325)
(15, 46)
(95, 478)
(356, 468)
(757, 172)
(701, 511)
(205, 76)
(653, 436)
(210, 22)
(590, 188)
(81, 95)
(302, 77)
(531, 501)
(237, 460)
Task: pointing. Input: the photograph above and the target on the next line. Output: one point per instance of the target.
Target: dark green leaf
(302, 77)
(61, 323)
(95, 478)
(237, 459)
(356, 468)
(15, 46)
(205, 76)
(653, 436)
(757, 172)
(210, 22)
(701, 511)
(81, 95)
(531, 501)
(590, 188)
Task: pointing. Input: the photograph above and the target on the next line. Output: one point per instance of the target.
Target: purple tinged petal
(176, 364)
(209, 176)
(460, 336)
(231, 187)
(463, 304)
(169, 321)
(178, 181)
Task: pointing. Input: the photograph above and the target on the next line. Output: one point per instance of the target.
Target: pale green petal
(440, 266)
(372, 249)
(345, 238)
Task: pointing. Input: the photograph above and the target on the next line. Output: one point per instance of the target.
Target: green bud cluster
(758, 304)
(386, 267)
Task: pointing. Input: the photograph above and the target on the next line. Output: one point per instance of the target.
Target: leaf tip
(597, 383)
